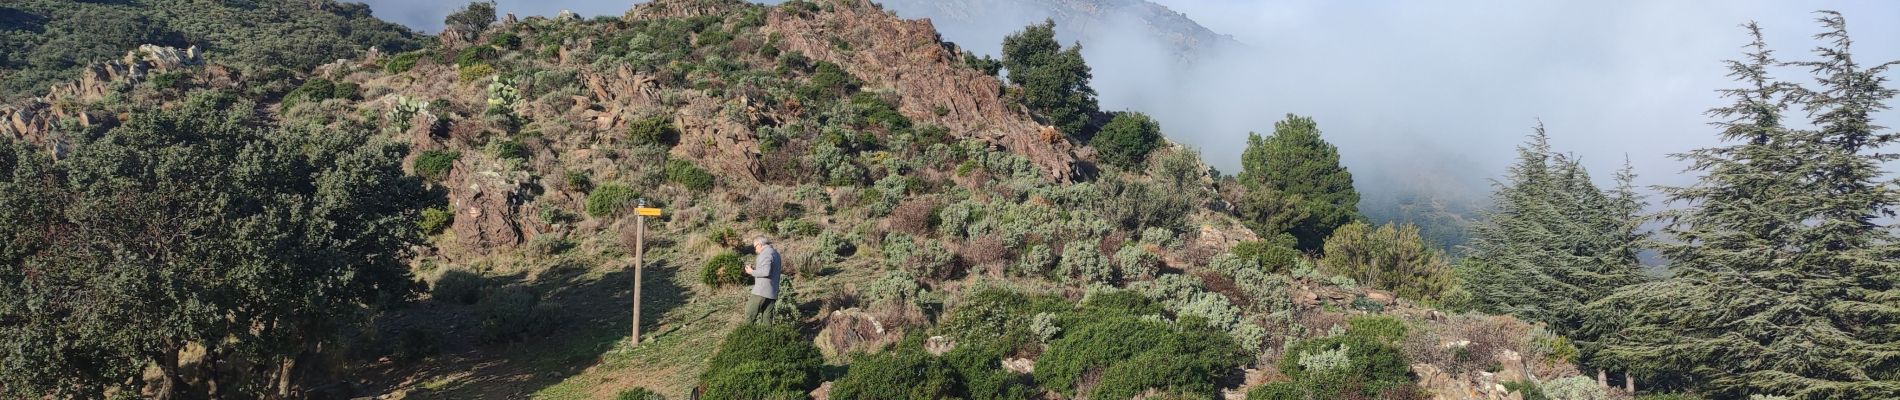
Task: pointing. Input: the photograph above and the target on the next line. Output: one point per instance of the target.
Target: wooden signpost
(639, 263)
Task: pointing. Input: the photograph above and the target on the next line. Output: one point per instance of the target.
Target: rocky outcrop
(487, 206)
(932, 84)
(35, 120)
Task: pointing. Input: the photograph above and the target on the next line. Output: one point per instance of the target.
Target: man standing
(765, 274)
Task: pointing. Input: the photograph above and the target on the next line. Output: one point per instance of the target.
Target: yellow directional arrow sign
(646, 212)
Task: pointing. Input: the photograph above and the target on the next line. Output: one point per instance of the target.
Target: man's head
(759, 243)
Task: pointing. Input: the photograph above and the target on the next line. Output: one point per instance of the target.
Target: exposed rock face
(908, 56)
(36, 119)
(487, 207)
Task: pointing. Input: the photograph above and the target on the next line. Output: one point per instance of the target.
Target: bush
(906, 373)
(724, 269)
(579, 181)
(434, 220)
(1126, 140)
(991, 315)
(923, 257)
(638, 393)
(471, 73)
(404, 62)
(610, 200)
(1525, 389)
(512, 313)
(1276, 256)
(656, 129)
(319, 89)
(762, 361)
(474, 55)
(686, 174)
(1135, 354)
(1371, 368)
(1083, 264)
(1390, 257)
(460, 287)
(435, 164)
(505, 40)
(1574, 388)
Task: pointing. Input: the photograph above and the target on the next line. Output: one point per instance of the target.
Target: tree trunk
(1603, 378)
(283, 376)
(169, 382)
(1629, 382)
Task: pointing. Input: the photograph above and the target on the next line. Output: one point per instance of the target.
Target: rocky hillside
(900, 183)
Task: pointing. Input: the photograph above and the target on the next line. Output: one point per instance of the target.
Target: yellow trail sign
(646, 212)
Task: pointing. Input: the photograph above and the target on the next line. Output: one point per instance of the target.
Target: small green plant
(1126, 140)
(610, 200)
(579, 181)
(435, 164)
(724, 269)
(458, 287)
(435, 219)
(474, 55)
(656, 129)
(686, 174)
(507, 148)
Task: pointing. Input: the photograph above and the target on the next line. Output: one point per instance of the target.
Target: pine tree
(1295, 161)
(1783, 283)
(1553, 242)
(1055, 81)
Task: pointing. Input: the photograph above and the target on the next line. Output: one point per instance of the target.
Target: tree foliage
(1784, 283)
(1553, 241)
(1295, 162)
(201, 226)
(1126, 140)
(1055, 81)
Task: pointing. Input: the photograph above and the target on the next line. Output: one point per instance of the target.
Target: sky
(1415, 91)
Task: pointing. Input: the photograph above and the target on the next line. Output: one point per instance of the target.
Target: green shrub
(638, 393)
(1135, 354)
(1382, 328)
(512, 313)
(657, 129)
(906, 373)
(762, 361)
(1127, 139)
(923, 257)
(1277, 391)
(990, 315)
(474, 55)
(686, 174)
(435, 219)
(1525, 389)
(435, 164)
(1276, 256)
(319, 89)
(1574, 388)
(1083, 264)
(579, 181)
(724, 269)
(404, 62)
(471, 73)
(1372, 367)
(505, 40)
(610, 200)
(460, 287)
(507, 148)
(168, 80)
(1391, 257)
